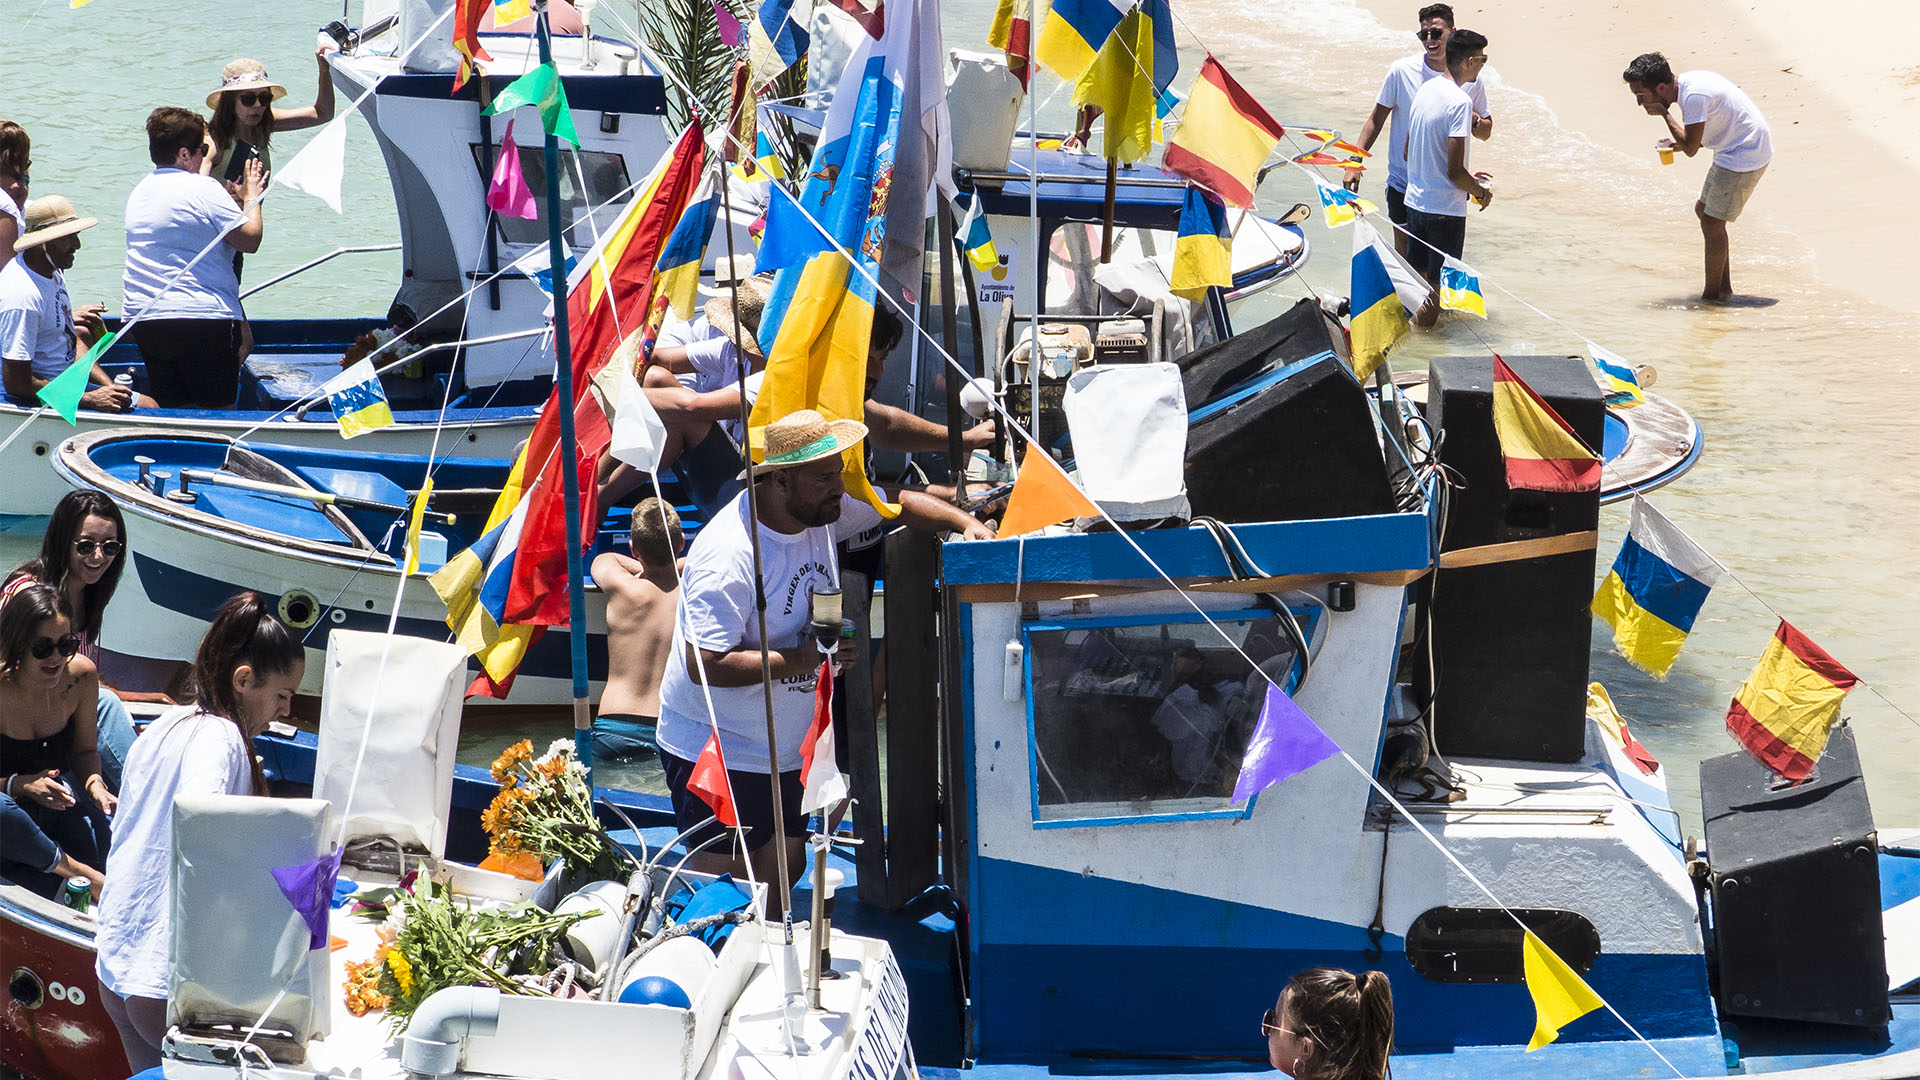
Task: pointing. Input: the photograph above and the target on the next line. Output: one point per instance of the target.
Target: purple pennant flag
(729, 26)
(509, 193)
(309, 888)
(1285, 742)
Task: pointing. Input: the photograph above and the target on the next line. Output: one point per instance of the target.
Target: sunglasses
(1270, 1022)
(43, 648)
(1430, 34)
(250, 100)
(85, 548)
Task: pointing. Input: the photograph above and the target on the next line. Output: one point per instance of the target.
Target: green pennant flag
(540, 88)
(62, 392)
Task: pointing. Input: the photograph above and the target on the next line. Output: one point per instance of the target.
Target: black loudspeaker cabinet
(1302, 448)
(1510, 639)
(1795, 880)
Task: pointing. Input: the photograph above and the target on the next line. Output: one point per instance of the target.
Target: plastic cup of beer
(1666, 155)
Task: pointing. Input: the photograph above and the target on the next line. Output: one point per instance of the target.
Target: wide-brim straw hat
(754, 293)
(803, 436)
(244, 74)
(50, 217)
(727, 271)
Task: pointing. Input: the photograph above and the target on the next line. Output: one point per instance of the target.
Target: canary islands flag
(1378, 318)
(1789, 704)
(1617, 378)
(676, 278)
(975, 240)
(1338, 205)
(1460, 288)
(1654, 591)
(359, 404)
(1202, 254)
(1073, 34)
(1541, 451)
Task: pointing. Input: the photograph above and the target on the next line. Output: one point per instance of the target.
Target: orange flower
(512, 758)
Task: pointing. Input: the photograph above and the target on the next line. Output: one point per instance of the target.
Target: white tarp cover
(406, 774)
(236, 939)
(1129, 425)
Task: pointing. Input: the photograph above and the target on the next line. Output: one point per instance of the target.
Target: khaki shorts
(1726, 192)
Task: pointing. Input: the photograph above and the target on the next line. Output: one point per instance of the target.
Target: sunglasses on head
(43, 648)
(85, 547)
(250, 100)
(1430, 34)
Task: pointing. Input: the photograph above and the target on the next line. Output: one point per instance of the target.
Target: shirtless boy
(642, 594)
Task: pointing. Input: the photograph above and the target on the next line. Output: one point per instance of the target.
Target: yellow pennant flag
(1042, 496)
(1559, 995)
(414, 521)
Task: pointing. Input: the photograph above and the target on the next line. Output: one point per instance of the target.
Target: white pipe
(431, 1046)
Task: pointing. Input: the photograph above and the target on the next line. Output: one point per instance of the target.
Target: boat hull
(52, 1026)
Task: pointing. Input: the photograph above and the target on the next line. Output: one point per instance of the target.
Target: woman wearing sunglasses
(49, 763)
(243, 111)
(1331, 1025)
(81, 555)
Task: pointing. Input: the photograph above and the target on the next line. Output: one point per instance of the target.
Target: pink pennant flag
(509, 194)
(730, 31)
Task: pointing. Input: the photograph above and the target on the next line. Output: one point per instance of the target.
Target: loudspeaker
(1795, 880)
(1301, 448)
(1510, 639)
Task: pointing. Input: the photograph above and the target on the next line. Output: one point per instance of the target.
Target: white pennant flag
(319, 166)
(639, 435)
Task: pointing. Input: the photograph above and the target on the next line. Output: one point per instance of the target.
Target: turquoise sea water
(1809, 490)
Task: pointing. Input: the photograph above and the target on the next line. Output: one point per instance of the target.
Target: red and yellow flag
(466, 37)
(1223, 138)
(1042, 496)
(1788, 705)
(1541, 450)
(1012, 34)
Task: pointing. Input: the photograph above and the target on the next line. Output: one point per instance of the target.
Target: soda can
(77, 893)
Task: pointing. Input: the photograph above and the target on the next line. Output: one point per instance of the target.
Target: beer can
(77, 893)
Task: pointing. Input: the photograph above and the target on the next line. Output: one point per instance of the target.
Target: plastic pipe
(431, 1046)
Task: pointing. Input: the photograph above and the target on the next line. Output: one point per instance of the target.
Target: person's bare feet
(1428, 314)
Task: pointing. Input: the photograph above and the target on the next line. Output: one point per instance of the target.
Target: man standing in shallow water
(1717, 115)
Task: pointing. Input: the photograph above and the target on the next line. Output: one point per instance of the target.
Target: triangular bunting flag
(1285, 742)
(1559, 995)
(62, 393)
(309, 888)
(823, 786)
(415, 520)
(709, 781)
(319, 166)
(1042, 496)
(541, 88)
(508, 194)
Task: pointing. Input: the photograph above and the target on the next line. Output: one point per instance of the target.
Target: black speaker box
(1795, 879)
(1301, 448)
(1510, 639)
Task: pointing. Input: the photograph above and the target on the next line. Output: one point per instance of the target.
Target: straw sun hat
(244, 75)
(803, 436)
(754, 293)
(51, 217)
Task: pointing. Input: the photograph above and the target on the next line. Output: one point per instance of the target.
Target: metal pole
(1106, 215)
(950, 337)
(569, 443)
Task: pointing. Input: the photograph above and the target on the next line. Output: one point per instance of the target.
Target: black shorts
(1429, 231)
(752, 797)
(1396, 205)
(191, 363)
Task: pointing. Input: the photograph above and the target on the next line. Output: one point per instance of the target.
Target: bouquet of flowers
(545, 808)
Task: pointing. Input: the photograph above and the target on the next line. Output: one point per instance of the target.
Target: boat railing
(304, 267)
(424, 351)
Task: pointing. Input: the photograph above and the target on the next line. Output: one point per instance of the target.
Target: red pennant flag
(819, 771)
(466, 37)
(709, 781)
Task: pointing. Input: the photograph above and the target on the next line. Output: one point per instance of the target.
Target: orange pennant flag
(1042, 496)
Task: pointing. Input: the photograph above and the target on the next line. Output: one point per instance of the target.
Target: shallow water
(1806, 492)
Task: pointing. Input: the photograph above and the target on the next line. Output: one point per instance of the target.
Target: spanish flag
(1542, 452)
(1012, 34)
(1202, 254)
(1378, 318)
(1073, 33)
(466, 38)
(1789, 704)
(1654, 591)
(1224, 137)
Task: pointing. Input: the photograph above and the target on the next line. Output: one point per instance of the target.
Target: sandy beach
(1838, 82)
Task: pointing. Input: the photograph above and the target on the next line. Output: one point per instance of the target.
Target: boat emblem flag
(677, 278)
(1460, 288)
(1654, 591)
(822, 784)
(1378, 314)
(506, 11)
(1223, 138)
(1560, 995)
(1286, 742)
(1787, 707)
(1073, 32)
(1542, 453)
(320, 167)
(359, 404)
(1203, 250)
(1618, 378)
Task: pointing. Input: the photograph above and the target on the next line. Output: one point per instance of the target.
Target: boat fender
(671, 974)
(431, 1046)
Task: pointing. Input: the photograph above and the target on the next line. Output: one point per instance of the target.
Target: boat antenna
(563, 384)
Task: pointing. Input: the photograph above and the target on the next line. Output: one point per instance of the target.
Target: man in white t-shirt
(1404, 79)
(803, 509)
(1717, 115)
(41, 334)
(1439, 183)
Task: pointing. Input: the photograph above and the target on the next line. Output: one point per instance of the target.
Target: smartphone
(243, 152)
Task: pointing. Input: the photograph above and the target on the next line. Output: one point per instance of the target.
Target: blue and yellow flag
(359, 403)
(1376, 316)
(1127, 78)
(1618, 378)
(972, 233)
(1654, 591)
(1339, 205)
(1073, 34)
(676, 277)
(1203, 252)
(774, 41)
(1460, 288)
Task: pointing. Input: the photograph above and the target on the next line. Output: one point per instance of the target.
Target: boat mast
(569, 444)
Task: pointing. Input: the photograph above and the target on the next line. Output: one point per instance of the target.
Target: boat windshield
(605, 175)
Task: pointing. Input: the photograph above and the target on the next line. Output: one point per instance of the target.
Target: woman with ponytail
(245, 675)
(1332, 1025)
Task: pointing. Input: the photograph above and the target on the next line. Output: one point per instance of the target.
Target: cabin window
(1482, 945)
(605, 175)
(1132, 720)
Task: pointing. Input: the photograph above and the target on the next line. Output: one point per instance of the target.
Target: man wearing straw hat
(40, 332)
(803, 509)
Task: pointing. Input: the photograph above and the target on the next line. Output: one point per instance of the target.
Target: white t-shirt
(717, 611)
(171, 216)
(185, 752)
(1735, 132)
(12, 210)
(36, 319)
(1404, 79)
(1441, 111)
